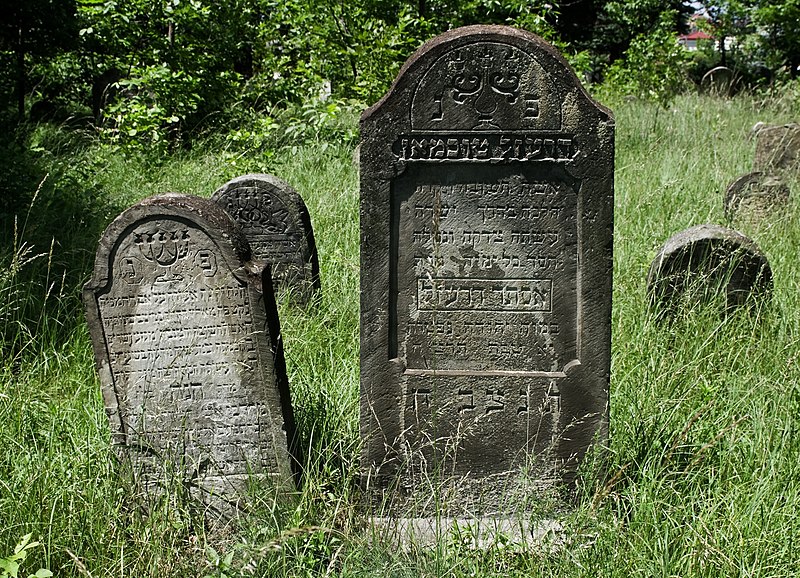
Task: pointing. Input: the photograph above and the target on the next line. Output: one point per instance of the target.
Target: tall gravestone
(275, 220)
(186, 339)
(486, 256)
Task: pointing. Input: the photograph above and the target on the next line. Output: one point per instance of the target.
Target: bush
(654, 67)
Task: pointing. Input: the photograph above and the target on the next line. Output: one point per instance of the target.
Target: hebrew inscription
(275, 220)
(489, 261)
(184, 349)
(486, 233)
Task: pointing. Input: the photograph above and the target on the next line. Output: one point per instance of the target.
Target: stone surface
(719, 81)
(275, 220)
(486, 255)
(752, 197)
(186, 339)
(778, 148)
(707, 262)
(510, 534)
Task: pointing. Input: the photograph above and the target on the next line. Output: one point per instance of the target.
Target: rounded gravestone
(754, 196)
(706, 262)
(276, 222)
(719, 81)
(486, 233)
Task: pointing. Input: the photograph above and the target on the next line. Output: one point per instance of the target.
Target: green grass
(701, 477)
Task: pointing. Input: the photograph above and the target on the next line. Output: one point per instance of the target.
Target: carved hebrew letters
(275, 220)
(500, 259)
(188, 372)
(486, 204)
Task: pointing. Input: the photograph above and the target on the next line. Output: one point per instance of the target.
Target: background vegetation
(701, 477)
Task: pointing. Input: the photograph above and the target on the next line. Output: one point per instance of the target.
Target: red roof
(696, 35)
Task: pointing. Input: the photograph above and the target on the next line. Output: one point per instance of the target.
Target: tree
(727, 19)
(619, 21)
(778, 25)
(35, 27)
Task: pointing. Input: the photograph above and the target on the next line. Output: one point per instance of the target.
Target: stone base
(476, 533)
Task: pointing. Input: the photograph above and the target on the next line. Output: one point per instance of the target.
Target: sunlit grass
(701, 476)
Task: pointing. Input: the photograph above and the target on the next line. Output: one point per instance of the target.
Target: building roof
(696, 35)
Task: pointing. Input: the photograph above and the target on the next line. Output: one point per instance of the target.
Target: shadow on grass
(51, 216)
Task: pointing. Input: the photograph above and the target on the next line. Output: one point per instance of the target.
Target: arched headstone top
(467, 63)
(194, 211)
(276, 222)
(488, 94)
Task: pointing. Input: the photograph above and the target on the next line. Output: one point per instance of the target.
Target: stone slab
(754, 196)
(703, 263)
(542, 536)
(276, 222)
(186, 339)
(778, 149)
(486, 257)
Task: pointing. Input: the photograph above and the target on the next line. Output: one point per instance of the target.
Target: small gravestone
(275, 220)
(186, 340)
(754, 196)
(704, 263)
(719, 81)
(778, 148)
(486, 231)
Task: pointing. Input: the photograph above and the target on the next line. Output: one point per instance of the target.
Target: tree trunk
(20, 74)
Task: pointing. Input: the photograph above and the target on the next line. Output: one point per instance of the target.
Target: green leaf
(23, 544)
(10, 568)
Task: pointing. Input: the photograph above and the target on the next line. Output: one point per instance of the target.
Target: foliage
(780, 21)
(35, 27)
(654, 65)
(619, 22)
(172, 61)
(10, 566)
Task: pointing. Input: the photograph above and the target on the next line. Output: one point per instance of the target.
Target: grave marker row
(486, 229)
(186, 334)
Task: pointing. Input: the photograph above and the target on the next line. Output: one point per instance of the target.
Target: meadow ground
(701, 476)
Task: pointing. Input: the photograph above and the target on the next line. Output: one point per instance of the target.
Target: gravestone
(275, 220)
(778, 148)
(706, 262)
(719, 81)
(187, 345)
(486, 254)
(754, 196)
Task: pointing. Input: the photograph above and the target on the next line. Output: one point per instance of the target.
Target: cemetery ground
(701, 475)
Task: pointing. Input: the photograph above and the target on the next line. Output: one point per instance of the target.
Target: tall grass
(701, 476)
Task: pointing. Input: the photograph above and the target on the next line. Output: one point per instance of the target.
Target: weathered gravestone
(486, 234)
(778, 148)
(754, 196)
(706, 262)
(719, 81)
(275, 220)
(186, 339)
